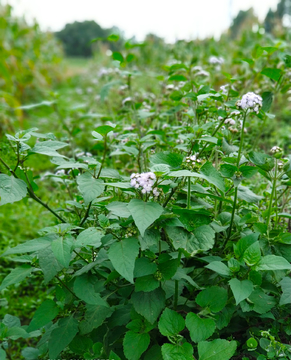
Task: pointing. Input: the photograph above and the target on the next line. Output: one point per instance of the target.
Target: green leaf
(200, 329)
(113, 356)
(11, 189)
(143, 266)
(94, 317)
(144, 213)
(176, 95)
(90, 236)
(273, 262)
(248, 171)
(218, 349)
(263, 161)
(62, 249)
(85, 289)
(146, 283)
(174, 160)
(244, 193)
(213, 176)
(219, 267)
(261, 303)
(16, 276)
(214, 297)
(15, 333)
(48, 148)
(117, 56)
(104, 129)
(175, 352)
(201, 239)
(177, 77)
(48, 264)
(134, 345)
(267, 97)
(119, 208)
(149, 304)
(2, 354)
(81, 344)
(228, 149)
(228, 170)
(286, 288)
(29, 353)
(90, 187)
(171, 323)
(244, 243)
(47, 311)
(113, 37)
(241, 289)
(252, 254)
(122, 254)
(62, 336)
(31, 245)
(272, 73)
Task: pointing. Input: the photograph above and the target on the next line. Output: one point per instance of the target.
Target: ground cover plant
(165, 194)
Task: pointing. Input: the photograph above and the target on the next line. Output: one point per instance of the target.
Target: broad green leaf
(90, 236)
(241, 289)
(48, 264)
(113, 356)
(134, 345)
(201, 239)
(117, 56)
(144, 213)
(272, 73)
(175, 352)
(11, 189)
(16, 276)
(62, 249)
(47, 311)
(252, 254)
(143, 266)
(286, 288)
(177, 77)
(213, 176)
(85, 289)
(90, 187)
(228, 170)
(15, 333)
(81, 344)
(62, 336)
(261, 302)
(267, 100)
(154, 353)
(200, 329)
(244, 243)
(94, 317)
(11, 321)
(119, 208)
(214, 297)
(248, 171)
(48, 148)
(273, 262)
(218, 349)
(146, 283)
(29, 353)
(227, 148)
(244, 193)
(149, 304)
(2, 354)
(219, 267)
(263, 161)
(104, 129)
(171, 323)
(174, 160)
(32, 245)
(123, 254)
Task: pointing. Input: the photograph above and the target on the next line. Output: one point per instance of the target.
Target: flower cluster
(216, 60)
(250, 101)
(145, 182)
(192, 162)
(229, 121)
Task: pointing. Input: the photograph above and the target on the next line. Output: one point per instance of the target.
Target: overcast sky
(167, 18)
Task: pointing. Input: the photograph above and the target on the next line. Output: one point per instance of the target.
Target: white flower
(216, 60)
(224, 90)
(143, 181)
(128, 99)
(250, 101)
(230, 121)
(275, 150)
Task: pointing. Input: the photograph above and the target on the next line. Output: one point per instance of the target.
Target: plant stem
(272, 196)
(236, 188)
(177, 282)
(189, 193)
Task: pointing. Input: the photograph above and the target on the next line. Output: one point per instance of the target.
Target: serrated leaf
(90, 187)
(90, 236)
(84, 288)
(214, 297)
(94, 317)
(200, 329)
(175, 352)
(171, 323)
(244, 193)
(119, 208)
(272, 73)
(48, 148)
(11, 189)
(174, 160)
(134, 345)
(122, 254)
(213, 176)
(149, 304)
(252, 254)
(218, 349)
(16, 276)
(241, 289)
(62, 249)
(48, 264)
(273, 262)
(47, 311)
(144, 213)
(62, 336)
(31, 245)
(219, 267)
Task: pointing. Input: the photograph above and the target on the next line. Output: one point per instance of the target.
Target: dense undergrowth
(146, 204)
